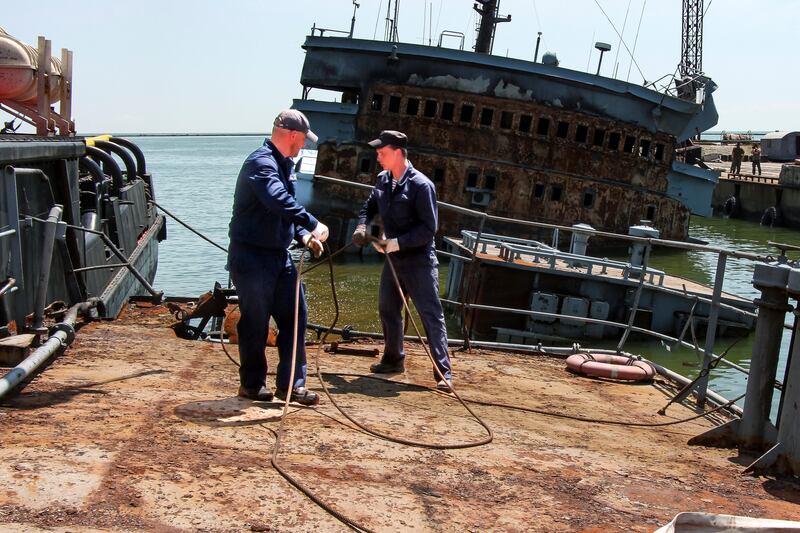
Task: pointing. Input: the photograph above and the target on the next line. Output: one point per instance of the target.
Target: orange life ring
(611, 366)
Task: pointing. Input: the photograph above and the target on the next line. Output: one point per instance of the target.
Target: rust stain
(517, 159)
(133, 428)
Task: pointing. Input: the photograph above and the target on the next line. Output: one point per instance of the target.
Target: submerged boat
(523, 139)
(78, 226)
(563, 289)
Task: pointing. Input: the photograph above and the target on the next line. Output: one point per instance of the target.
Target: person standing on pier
(736, 159)
(755, 157)
(406, 200)
(266, 219)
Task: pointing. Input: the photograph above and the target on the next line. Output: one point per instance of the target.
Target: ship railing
(669, 340)
(448, 33)
(469, 238)
(753, 178)
(510, 252)
(315, 29)
(648, 243)
(511, 248)
(633, 239)
(11, 232)
(688, 88)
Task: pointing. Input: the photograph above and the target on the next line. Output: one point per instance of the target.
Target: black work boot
(301, 395)
(261, 394)
(391, 367)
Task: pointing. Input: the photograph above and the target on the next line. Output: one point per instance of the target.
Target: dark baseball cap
(397, 139)
(294, 120)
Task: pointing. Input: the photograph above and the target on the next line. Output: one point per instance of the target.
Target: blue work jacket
(265, 213)
(409, 214)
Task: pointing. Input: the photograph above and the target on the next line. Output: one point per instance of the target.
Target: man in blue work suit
(406, 200)
(266, 218)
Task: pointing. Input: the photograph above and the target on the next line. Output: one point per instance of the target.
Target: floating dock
(133, 428)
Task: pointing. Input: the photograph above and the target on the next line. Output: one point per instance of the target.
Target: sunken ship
(522, 139)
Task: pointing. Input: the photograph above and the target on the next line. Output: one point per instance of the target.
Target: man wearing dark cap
(406, 200)
(266, 219)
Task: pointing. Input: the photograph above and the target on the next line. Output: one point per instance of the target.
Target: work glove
(320, 232)
(388, 246)
(312, 244)
(360, 235)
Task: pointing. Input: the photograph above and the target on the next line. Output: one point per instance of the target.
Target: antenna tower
(692, 38)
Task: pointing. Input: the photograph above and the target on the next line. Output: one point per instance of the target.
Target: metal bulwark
(14, 267)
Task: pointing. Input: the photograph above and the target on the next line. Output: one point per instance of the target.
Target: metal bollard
(784, 457)
(754, 431)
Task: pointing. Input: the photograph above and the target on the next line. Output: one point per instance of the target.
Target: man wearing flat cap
(266, 219)
(406, 200)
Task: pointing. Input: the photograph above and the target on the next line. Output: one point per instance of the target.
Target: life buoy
(729, 206)
(611, 366)
(770, 216)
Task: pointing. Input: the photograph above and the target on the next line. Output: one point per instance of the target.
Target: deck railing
(472, 259)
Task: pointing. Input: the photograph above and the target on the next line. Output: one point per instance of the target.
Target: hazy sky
(201, 66)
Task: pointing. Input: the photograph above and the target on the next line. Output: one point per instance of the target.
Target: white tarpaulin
(723, 523)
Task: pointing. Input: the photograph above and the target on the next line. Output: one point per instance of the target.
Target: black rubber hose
(90, 165)
(109, 165)
(111, 148)
(141, 166)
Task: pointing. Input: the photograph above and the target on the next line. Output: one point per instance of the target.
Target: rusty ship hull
(513, 138)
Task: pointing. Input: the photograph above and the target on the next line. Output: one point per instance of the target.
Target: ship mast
(391, 34)
(489, 20)
(692, 38)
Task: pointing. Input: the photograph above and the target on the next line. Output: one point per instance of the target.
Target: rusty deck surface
(134, 429)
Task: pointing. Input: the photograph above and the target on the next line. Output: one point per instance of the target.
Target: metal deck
(133, 429)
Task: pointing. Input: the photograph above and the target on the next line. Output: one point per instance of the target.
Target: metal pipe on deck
(46, 260)
(64, 334)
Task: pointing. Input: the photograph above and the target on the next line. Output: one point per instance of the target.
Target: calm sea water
(195, 178)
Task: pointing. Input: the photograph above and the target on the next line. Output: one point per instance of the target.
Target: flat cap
(294, 120)
(397, 139)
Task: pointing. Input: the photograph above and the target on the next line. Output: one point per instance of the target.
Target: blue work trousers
(421, 283)
(265, 283)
